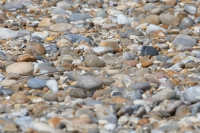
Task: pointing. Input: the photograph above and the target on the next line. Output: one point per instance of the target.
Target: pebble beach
(99, 66)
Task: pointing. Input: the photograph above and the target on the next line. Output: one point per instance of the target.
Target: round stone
(89, 83)
(92, 60)
(192, 94)
(78, 16)
(191, 9)
(169, 19)
(153, 19)
(21, 68)
(77, 93)
(140, 86)
(18, 98)
(164, 94)
(45, 22)
(34, 48)
(187, 22)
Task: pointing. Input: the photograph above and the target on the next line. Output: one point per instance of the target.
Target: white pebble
(122, 19)
(52, 85)
(110, 126)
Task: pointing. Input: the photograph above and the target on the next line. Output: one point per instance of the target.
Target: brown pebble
(131, 63)
(147, 63)
(18, 98)
(26, 58)
(143, 121)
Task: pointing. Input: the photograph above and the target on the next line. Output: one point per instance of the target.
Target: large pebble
(21, 68)
(50, 97)
(148, 50)
(89, 83)
(77, 93)
(36, 83)
(12, 6)
(122, 19)
(52, 85)
(164, 94)
(153, 28)
(182, 41)
(42, 127)
(140, 86)
(92, 60)
(34, 48)
(191, 9)
(7, 33)
(18, 98)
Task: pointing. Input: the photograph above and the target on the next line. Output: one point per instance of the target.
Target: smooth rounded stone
(51, 48)
(77, 93)
(110, 127)
(172, 108)
(36, 39)
(21, 68)
(192, 94)
(166, 84)
(160, 74)
(18, 98)
(148, 50)
(50, 97)
(106, 80)
(78, 16)
(64, 4)
(92, 60)
(89, 83)
(7, 33)
(5, 91)
(153, 28)
(34, 48)
(84, 111)
(101, 13)
(61, 19)
(73, 75)
(45, 22)
(182, 110)
(93, 102)
(187, 21)
(23, 122)
(132, 94)
(76, 38)
(182, 41)
(36, 83)
(12, 6)
(43, 34)
(152, 19)
(52, 85)
(122, 19)
(169, 19)
(162, 58)
(8, 82)
(46, 67)
(3, 17)
(164, 94)
(20, 112)
(140, 86)
(103, 50)
(191, 9)
(62, 43)
(114, 12)
(26, 58)
(42, 127)
(60, 27)
(140, 72)
(131, 63)
(149, 6)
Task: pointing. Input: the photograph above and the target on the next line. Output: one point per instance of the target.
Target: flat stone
(77, 93)
(192, 94)
(182, 41)
(45, 22)
(52, 85)
(26, 58)
(148, 50)
(36, 83)
(140, 86)
(78, 16)
(153, 19)
(92, 60)
(153, 28)
(191, 9)
(50, 97)
(21, 68)
(7, 33)
(34, 48)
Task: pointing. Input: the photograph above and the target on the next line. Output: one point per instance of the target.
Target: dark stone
(148, 50)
